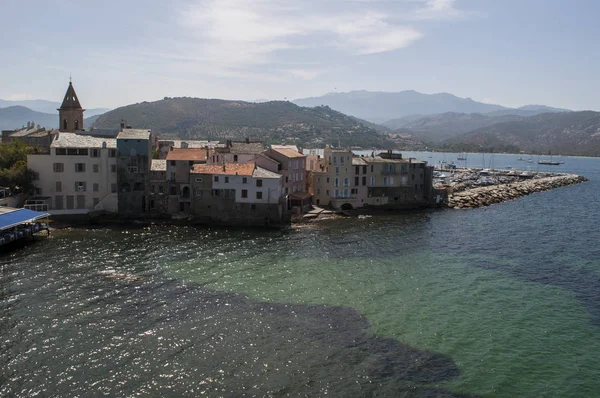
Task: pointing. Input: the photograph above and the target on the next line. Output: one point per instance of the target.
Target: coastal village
(130, 174)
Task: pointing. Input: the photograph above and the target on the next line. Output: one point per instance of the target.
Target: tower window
(76, 124)
(65, 124)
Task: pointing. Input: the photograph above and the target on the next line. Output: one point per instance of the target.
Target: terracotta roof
(288, 152)
(191, 154)
(242, 169)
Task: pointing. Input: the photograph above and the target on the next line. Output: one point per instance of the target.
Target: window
(364, 180)
(80, 167)
(334, 159)
(372, 180)
(132, 168)
(356, 169)
(341, 159)
(364, 169)
(337, 193)
(96, 187)
(112, 153)
(391, 180)
(76, 124)
(113, 168)
(199, 179)
(38, 191)
(95, 153)
(259, 183)
(80, 186)
(59, 167)
(60, 151)
(58, 187)
(337, 182)
(138, 186)
(77, 151)
(152, 189)
(353, 191)
(318, 179)
(152, 205)
(226, 180)
(216, 179)
(113, 188)
(235, 158)
(327, 180)
(173, 163)
(318, 191)
(258, 195)
(96, 168)
(346, 182)
(337, 170)
(253, 207)
(81, 201)
(356, 180)
(215, 192)
(65, 124)
(244, 180)
(198, 192)
(327, 192)
(58, 202)
(244, 193)
(161, 190)
(371, 168)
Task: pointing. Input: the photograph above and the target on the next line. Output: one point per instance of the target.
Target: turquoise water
(499, 301)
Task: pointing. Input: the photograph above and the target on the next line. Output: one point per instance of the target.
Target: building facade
(78, 176)
(345, 181)
(240, 194)
(134, 162)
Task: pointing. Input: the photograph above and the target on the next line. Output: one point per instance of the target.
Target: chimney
(247, 140)
(28, 125)
(122, 124)
(301, 150)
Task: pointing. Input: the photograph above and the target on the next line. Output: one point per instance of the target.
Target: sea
(501, 301)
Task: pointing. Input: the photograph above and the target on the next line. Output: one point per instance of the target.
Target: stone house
(179, 163)
(134, 162)
(236, 152)
(78, 176)
(237, 194)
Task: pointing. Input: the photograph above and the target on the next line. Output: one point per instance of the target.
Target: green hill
(567, 133)
(272, 122)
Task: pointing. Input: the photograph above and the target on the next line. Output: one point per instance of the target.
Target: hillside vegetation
(567, 133)
(272, 122)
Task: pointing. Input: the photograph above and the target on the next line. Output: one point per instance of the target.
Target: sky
(507, 52)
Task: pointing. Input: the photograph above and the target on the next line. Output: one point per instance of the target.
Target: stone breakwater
(489, 195)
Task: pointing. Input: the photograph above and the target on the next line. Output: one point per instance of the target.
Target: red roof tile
(190, 154)
(242, 169)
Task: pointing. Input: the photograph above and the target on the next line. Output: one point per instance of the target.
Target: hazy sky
(510, 52)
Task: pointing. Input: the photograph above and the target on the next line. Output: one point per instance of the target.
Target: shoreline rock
(485, 196)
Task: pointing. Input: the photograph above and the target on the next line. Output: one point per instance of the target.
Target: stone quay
(485, 196)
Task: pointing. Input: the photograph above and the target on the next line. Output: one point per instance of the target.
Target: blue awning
(15, 217)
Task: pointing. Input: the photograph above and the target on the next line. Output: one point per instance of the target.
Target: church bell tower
(70, 113)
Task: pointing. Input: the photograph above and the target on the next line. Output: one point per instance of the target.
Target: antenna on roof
(70, 78)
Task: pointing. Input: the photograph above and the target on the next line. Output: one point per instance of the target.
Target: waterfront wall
(485, 196)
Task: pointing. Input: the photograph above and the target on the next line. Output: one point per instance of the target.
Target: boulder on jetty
(485, 196)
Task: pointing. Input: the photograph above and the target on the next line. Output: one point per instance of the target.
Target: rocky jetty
(485, 196)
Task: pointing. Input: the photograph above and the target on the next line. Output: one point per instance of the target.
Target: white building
(78, 176)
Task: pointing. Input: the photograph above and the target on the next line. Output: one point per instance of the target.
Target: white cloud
(438, 10)
(239, 33)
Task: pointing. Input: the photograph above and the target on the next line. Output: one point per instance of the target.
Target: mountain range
(383, 107)
(273, 122)
(14, 117)
(49, 107)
